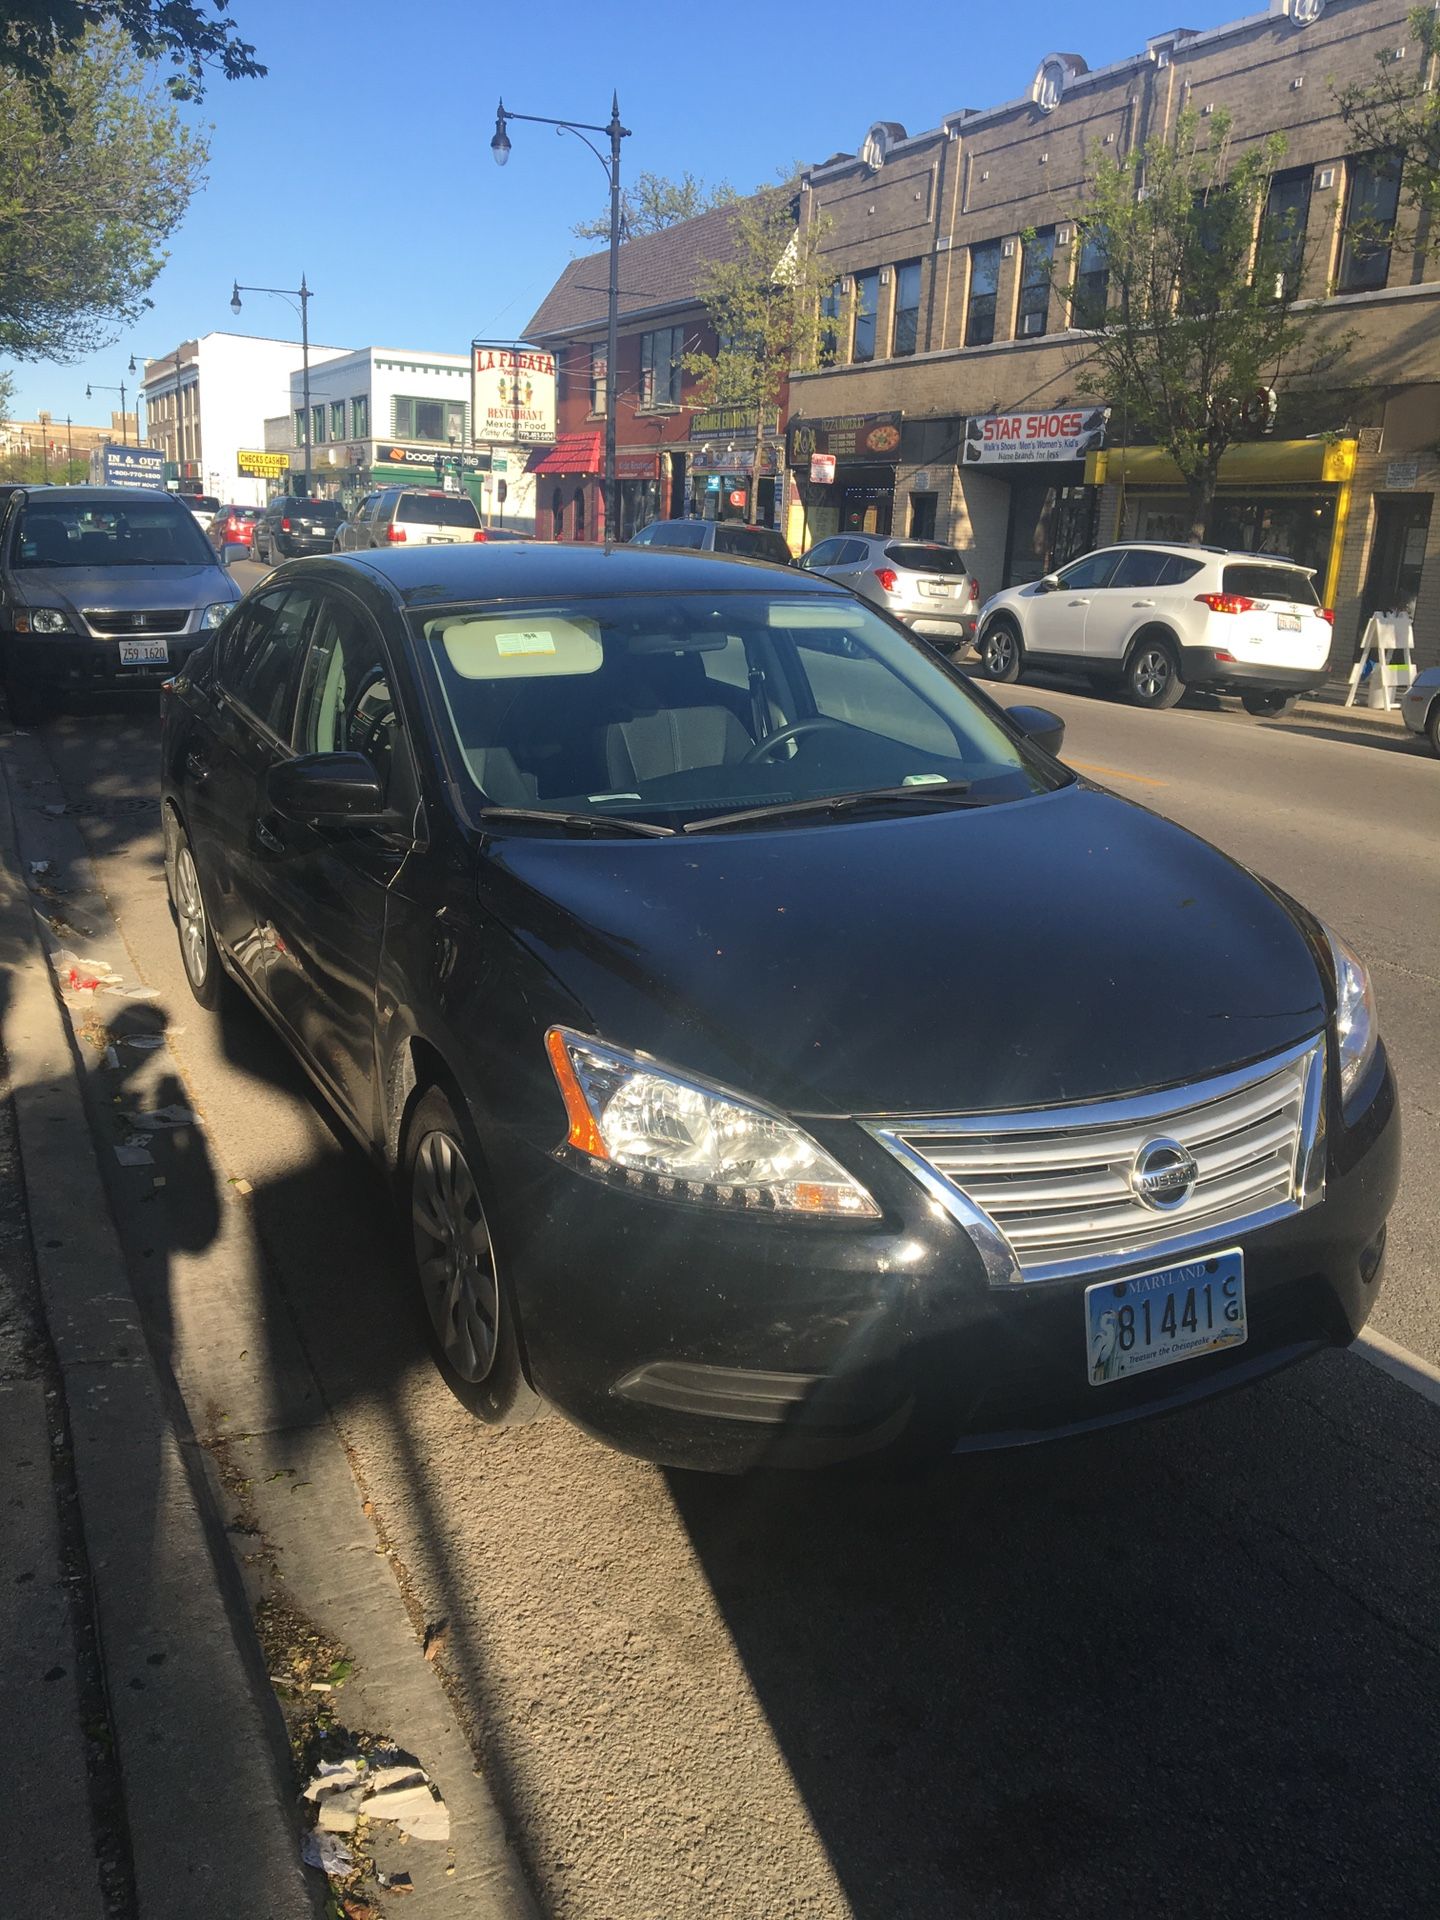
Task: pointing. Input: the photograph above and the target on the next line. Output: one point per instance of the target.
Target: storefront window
(1300, 525)
(867, 304)
(984, 285)
(637, 506)
(907, 309)
(1369, 222)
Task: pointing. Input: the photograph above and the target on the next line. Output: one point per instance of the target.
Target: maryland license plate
(1174, 1313)
(144, 653)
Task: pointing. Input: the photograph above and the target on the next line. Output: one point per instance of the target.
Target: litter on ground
(164, 1119)
(327, 1852)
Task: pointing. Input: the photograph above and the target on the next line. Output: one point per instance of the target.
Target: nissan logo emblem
(1163, 1175)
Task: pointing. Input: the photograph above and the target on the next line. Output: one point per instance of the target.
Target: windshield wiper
(954, 793)
(591, 823)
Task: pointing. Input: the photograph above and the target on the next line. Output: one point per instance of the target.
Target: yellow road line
(1114, 773)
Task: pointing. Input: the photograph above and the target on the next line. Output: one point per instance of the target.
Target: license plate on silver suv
(1172, 1313)
(937, 589)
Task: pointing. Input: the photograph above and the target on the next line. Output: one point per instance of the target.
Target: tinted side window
(1093, 571)
(264, 680)
(346, 704)
(824, 555)
(1178, 568)
(1140, 567)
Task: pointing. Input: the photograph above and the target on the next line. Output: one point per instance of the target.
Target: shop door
(1052, 521)
(1397, 554)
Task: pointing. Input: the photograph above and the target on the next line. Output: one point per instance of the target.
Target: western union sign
(254, 465)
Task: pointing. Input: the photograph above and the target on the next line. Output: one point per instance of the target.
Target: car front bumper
(721, 1343)
(1201, 667)
(75, 663)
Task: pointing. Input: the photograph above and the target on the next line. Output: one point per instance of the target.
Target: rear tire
(473, 1328)
(1268, 706)
(1000, 652)
(1152, 675)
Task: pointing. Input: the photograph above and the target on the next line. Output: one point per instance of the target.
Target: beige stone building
(960, 403)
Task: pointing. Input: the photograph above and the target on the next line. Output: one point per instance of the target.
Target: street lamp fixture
(615, 132)
(301, 293)
(148, 360)
(120, 389)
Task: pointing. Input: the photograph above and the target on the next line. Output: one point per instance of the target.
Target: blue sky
(364, 157)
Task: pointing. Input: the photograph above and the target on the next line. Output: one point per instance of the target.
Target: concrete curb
(1367, 719)
(207, 1802)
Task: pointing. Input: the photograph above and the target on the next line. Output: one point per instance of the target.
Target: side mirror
(327, 787)
(1039, 726)
(1048, 582)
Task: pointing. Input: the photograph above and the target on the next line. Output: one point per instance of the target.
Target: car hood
(1048, 950)
(126, 589)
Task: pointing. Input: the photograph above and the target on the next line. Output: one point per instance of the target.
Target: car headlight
(681, 1139)
(214, 615)
(42, 620)
(1355, 1022)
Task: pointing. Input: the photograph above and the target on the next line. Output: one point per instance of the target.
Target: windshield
(328, 510)
(142, 531)
(671, 709)
(437, 510)
(754, 543)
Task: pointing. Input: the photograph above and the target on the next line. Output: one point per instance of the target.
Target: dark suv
(738, 537)
(292, 525)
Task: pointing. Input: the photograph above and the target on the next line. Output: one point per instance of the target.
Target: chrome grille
(1048, 1194)
(162, 620)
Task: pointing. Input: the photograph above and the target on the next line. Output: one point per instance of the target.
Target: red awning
(571, 453)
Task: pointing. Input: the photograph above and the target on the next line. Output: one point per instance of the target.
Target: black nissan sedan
(779, 1054)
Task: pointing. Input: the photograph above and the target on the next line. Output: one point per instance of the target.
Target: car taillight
(396, 535)
(974, 591)
(1226, 602)
(285, 525)
(1327, 614)
(888, 579)
(480, 534)
(1224, 657)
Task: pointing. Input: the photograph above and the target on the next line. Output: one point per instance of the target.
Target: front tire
(204, 971)
(1000, 652)
(1152, 675)
(469, 1306)
(1432, 727)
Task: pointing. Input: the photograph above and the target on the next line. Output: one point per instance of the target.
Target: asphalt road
(1188, 1669)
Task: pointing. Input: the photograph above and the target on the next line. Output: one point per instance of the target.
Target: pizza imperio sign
(848, 436)
(1015, 439)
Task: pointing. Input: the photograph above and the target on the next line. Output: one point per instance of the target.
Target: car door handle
(196, 767)
(1142, 603)
(1078, 603)
(267, 839)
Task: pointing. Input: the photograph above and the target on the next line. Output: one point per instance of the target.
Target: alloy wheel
(1152, 673)
(190, 909)
(455, 1256)
(999, 651)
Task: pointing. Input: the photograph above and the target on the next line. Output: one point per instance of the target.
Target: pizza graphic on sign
(882, 439)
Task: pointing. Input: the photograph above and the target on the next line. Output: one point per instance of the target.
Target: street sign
(500, 463)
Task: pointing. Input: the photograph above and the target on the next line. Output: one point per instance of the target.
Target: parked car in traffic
(233, 527)
(736, 537)
(349, 536)
(923, 583)
(204, 506)
(1156, 618)
(1420, 706)
(630, 910)
(101, 588)
(294, 524)
(415, 517)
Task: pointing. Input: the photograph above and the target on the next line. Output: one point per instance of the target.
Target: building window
(1035, 284)
(830, 311)
(660, 369)
(317, 424)
(360, 416)
(1282, 230)
(922, 515)
(906, 331)
(1369, 222)
(1092, 283)
(867, 305)
(984, 285)
(599, 382)
(337, 419)
(299, 426)
(422, 419)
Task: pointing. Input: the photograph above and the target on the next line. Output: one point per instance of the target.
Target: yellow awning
(1256, 462)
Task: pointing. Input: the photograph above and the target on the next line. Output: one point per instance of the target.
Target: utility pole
(301, 293)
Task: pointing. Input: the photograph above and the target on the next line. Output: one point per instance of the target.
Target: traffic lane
(1348, 824)
(1180, 1668)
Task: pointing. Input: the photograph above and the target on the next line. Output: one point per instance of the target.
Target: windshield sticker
(536, 640)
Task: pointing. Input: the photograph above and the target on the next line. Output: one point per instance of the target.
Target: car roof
(83, 494)
(527, 570)
(1200, 546)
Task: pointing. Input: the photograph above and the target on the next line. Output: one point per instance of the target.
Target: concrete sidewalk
(1327, 704)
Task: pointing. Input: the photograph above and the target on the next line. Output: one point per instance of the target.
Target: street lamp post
(156, 360)
(124, 433)
(500, 147)
(302, 294)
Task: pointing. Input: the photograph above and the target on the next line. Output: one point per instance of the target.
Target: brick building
(959, 403)
(673, 459)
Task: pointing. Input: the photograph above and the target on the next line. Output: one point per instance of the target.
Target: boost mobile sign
(1017, 439)
(512, 395)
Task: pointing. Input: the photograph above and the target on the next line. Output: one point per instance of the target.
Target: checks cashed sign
(1016, 439)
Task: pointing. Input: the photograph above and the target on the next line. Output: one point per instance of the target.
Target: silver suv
(927, 585)
(1156, 618)
(411, 516)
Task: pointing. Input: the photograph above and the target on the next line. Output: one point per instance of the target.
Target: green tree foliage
(764, 304)
(85, 208)
(1199, 315)
(1398, 111)
(194, 38)
(654, 201)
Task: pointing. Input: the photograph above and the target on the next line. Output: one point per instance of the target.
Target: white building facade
(207, 402)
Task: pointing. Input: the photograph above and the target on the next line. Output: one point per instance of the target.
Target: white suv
(1160, 618)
